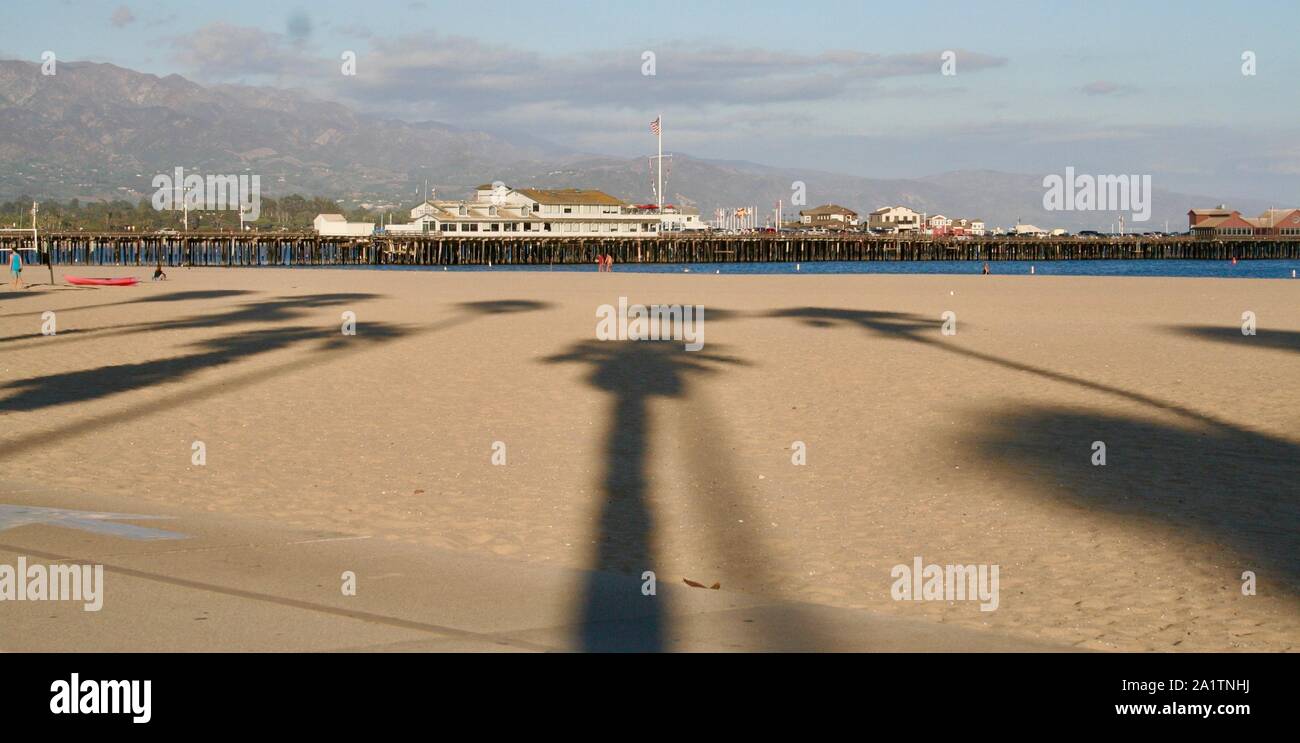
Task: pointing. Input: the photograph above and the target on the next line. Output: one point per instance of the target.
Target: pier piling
(309, 249)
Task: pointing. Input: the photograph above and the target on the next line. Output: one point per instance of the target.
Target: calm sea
(1191, 269)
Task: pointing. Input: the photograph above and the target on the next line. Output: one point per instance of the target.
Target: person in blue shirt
(16, 267)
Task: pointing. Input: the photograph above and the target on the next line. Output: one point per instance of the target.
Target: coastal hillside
(99, 131)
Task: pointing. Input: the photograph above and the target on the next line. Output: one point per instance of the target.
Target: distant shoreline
(1136, 268)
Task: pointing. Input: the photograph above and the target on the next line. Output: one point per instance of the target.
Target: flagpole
(660, 190)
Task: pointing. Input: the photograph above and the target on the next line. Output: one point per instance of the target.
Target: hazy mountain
(101, 131)
(97, 130)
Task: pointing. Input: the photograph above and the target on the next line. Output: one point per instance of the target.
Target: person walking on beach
(600, 263)
(609, 263)
(16, 267)
(986, 269)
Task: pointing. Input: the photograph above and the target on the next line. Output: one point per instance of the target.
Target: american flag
(654, 126)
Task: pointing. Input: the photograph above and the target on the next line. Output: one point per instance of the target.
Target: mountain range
(99, 131)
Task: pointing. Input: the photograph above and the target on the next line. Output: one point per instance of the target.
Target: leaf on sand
(693, 584)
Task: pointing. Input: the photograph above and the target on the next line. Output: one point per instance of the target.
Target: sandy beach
(629, 456)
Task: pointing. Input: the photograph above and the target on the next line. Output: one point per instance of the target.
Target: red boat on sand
(79, 281)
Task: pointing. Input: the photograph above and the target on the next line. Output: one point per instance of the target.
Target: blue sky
(1148, 87)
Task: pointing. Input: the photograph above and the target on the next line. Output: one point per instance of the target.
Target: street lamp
(185, 203)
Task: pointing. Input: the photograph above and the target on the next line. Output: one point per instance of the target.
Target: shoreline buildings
(1224, 222)
(336, 225)
(900, 219)
(894, 219)
(498, 210)
(829, 217)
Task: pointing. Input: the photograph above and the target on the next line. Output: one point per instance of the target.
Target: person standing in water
(16, 267)
(986, 269)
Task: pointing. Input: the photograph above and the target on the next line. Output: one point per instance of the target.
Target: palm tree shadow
(39, 392)
(35, 393)
(1213, 476)
(1236, 487)
(898, 324)
(178, 296)
(1282, 340)
(279, 309)
(632, 373)
(921, 330)
(502, 306)
(51, 390)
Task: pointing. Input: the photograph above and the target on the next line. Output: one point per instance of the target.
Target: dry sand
(973, 448)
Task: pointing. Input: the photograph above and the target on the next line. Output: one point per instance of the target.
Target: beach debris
(694, 584)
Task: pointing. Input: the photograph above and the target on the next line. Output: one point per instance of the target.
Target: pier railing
(309, 249)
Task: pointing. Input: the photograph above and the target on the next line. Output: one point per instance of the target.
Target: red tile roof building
(1223, 222)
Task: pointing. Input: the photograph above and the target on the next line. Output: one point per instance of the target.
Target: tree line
(290, 213)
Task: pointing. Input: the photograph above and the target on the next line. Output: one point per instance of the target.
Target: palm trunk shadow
(633, 372)
(624, 540)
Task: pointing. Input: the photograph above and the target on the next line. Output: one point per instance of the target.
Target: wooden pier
(309, 249)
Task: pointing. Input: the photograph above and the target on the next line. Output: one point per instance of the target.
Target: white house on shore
(335, 225)
(831, 216)
(960, 226)
(939, 224)
(894, 219)
(499, 211)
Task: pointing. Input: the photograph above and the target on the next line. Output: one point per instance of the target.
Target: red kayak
(79, 281)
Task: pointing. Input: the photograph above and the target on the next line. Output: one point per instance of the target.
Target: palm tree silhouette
(633, 372)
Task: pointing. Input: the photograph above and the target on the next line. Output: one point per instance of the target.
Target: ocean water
(1177, 268)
